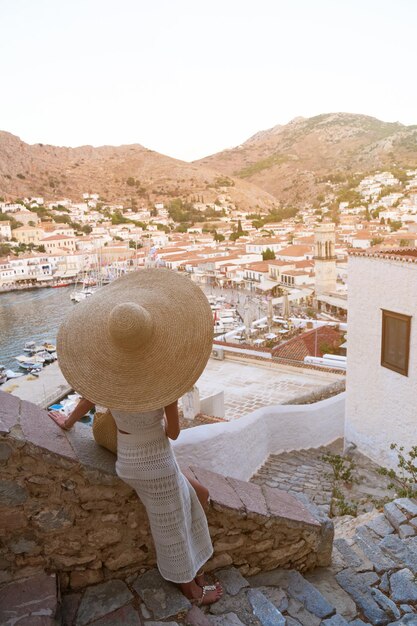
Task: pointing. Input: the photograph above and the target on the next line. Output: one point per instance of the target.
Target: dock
(43, 390)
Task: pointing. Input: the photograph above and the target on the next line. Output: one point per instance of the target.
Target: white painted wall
(240, 447)
(381, 405)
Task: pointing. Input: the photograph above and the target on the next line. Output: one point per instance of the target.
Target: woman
(136, 346)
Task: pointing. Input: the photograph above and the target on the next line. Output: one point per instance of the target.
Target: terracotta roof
(58, 238)
(258, 266)
(184, 256)
(363, 235)
(295, 251)
(282, 263)
(403, 254)
(308, 343)
(264, 241)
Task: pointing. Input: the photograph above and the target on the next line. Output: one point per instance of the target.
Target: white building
(262, 245)
(5, 230)
(381, 403)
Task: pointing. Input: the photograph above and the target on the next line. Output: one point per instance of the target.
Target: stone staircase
(300, 471)
(372, 580)
(306, 472)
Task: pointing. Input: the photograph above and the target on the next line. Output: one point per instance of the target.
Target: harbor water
(33, 314)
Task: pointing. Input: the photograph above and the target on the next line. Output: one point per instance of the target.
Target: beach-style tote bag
(105, 430)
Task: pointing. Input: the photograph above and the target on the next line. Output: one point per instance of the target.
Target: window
(395, 345)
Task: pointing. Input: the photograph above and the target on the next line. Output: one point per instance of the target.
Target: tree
(268, 254)
(257, 224)
(87, 229)
(395, 225)
(218, 236)
(5, 249)
(118, 218)
(135, 244)
(376, 241)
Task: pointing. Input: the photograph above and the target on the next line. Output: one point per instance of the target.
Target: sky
(189, 78)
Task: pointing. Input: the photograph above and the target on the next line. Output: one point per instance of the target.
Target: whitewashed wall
(381, 405)
(240, 447)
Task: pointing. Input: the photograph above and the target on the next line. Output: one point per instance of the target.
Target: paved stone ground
(305, 471)
(250, 386)
(372, 580)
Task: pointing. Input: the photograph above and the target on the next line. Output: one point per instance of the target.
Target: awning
(340, 303)
(266, 285)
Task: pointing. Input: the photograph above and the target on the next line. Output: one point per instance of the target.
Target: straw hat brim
(154, 373)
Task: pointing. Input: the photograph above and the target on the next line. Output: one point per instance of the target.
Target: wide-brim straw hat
(139, 343)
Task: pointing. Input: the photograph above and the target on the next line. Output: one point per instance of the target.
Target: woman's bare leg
(201, 491)
(203, 496)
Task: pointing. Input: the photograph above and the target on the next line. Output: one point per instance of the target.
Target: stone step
(32, 600)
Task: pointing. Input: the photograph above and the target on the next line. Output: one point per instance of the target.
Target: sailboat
(91, 281)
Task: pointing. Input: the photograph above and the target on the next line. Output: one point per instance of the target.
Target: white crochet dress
(146, 462)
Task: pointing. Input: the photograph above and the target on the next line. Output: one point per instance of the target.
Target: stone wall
(62, 513)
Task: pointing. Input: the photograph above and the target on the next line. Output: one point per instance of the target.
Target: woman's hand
(60, 419)
(66, 422)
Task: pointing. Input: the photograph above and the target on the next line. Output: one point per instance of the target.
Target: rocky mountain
(132, 175)
(293, 161)
(288, 165)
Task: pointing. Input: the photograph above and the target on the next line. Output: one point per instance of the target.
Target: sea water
(30, 315)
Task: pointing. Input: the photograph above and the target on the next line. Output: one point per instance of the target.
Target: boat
(31, 367)
(32, 348)
(49, 347)
(25, 358)
(12, 374)
(48, 357)
(82, 294)
(57, 285)
(90, 281)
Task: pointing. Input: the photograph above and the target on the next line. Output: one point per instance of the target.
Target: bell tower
(325, 258)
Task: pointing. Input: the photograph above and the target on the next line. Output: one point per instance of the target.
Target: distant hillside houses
(371, 186)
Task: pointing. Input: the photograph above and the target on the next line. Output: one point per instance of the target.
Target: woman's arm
(172, 420)
(68, 422)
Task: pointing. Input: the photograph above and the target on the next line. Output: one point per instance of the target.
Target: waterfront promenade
(43, 390)
(247, 385)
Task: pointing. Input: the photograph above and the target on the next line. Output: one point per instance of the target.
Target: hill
(132, 175)
(294, 161)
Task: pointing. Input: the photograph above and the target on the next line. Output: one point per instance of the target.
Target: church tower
(325, 258)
